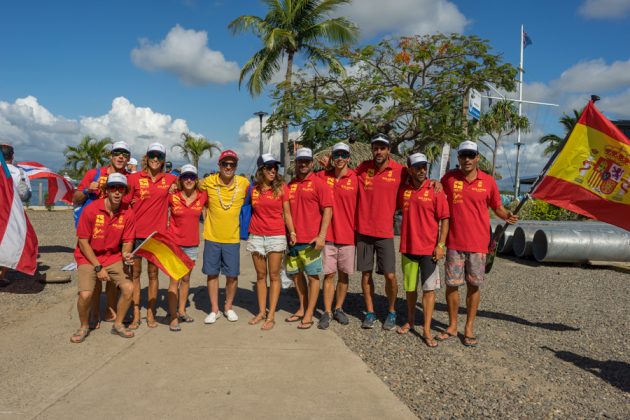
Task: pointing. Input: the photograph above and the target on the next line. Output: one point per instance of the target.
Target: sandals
(429, 341)
(471, 341)
(404, 329)
(134, 325)
(294, 318)
(174, 328)
(152, 323)
(255, 320)
(445, 335)
(121, 331)
(185, 318)
(268, 325)
(305, 325)
(79, 335)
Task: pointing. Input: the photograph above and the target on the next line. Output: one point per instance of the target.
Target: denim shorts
(263, 245)
(191, 251)
(220, 258)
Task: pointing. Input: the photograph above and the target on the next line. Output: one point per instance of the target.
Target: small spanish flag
(170, 258)
(591, 173)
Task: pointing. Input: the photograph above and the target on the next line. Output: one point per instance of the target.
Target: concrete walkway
(226, 370)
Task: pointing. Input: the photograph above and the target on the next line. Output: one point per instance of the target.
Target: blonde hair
(145, 163)
(276, 184)
(180, 183)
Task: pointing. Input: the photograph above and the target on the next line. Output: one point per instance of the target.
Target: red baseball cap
(227, 154)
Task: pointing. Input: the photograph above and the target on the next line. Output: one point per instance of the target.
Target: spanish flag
(170, 258)
(591, 173)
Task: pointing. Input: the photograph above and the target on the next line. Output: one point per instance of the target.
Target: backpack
(246, 215)
(90, 197)
(23, 189)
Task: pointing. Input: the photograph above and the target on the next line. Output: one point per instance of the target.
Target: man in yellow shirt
(221, 251)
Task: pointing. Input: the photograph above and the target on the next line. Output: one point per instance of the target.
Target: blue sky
(143, 71)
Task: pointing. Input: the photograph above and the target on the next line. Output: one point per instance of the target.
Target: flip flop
(152, 323)
(403, 329)
(445, 335)
(268, 325)
(134, 325)
(185, 318)
(294, 318)
(429, 341)
(471, 341)
(257, 319)
(174, 328)
(80, 335)
(305, 325)
(122, 331)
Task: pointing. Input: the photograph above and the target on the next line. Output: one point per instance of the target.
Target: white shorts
(266, 244)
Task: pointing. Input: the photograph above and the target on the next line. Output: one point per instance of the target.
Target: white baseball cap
(188, 169)
(116, 179)
(304, 153)
(468, 146)
(266, 159)
(120, 145)
(157, 147)
(417, 159)
(133, 161)
(341, 146)
(380, 138)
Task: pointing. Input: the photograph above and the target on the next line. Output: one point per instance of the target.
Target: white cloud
(604, 9)
(184, 52)
(404, 17)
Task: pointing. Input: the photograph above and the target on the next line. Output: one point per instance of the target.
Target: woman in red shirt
(148, 195)
(186, 206)
(267, 236)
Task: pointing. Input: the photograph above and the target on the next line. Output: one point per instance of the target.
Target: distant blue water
(42, 184)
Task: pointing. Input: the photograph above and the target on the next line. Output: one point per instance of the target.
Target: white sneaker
(212, 317)
(231, 315)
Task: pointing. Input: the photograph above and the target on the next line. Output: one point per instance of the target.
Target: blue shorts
(219, 258)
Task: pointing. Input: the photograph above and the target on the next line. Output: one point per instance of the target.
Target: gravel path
(553, 338)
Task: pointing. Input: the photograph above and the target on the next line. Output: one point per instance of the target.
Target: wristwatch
(98, 268)
(441, 245)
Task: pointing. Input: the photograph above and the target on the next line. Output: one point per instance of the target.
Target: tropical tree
(502, 120)
(554, 141)
(192, 148)
(88, 154)
(288, 28)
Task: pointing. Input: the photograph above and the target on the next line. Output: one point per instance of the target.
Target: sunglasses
(340, 155)
(270, 167)
(121, 153)
(188, 177)
(158, 156)
(117, 188)
(228, 164)
(467, 155)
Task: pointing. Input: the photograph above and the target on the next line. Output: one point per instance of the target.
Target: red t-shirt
(88, 178)
(308, 198)
(149, 200)
(469, 225)
(267, 214)
(345, 190)
(377, 197)
(104, 232)
(422, 209)
(184, 224)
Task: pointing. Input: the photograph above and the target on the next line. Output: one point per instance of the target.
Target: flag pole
(517, 181)
(143, 242)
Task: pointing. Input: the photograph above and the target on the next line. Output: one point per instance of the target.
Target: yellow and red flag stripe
(169, 257)
(591, 173)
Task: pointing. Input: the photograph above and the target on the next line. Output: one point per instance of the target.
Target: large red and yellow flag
(169, 257)
(591, 174)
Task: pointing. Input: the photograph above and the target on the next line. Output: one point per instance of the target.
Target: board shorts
(465, 267)
(338, 258)
(422, 267)
(367, 246)
(263, 245)
(86, 276)
(220, 258)
(304, 258)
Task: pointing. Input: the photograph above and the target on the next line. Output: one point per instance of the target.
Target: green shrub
(49, 207)
(541, 210)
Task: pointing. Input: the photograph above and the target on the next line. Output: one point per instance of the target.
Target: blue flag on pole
(526, 40)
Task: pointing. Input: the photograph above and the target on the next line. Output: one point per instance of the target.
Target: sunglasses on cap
(122, 153)
(228, 164)
(117, 188)
(467, 154)
(188, 177)
(341, 155)
(156, 155)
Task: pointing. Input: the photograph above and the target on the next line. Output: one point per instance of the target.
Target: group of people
(326, 223)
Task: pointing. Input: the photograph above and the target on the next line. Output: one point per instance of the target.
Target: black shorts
(367, 246)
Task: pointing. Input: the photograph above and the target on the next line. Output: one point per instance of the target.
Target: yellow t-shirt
(221, 223)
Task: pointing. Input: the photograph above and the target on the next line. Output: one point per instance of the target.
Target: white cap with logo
(304, 153)
(380, 138)
(157, 147)
(188, 169)
(417, 159)
(133, 161)
(116, 179)
(266, 159)
(467, 146)
(341, 146)
(120, 145)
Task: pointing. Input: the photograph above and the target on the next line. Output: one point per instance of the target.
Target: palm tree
(192, 148)
(502, 120)
(289, 27)
(88, 154)
(554, 141)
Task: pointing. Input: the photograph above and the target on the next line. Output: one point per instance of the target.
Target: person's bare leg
(473, 296)
(126, 292)
(213, 293)
(152, 272)
(111, 291)
(391, 290)
(313, 293)
(329, 291)
(342, 289)
(412, 298)
(274, 262)
(260, 264)
(135, 297)
(302, 293)
(231, 285)
(84, 302)
(452, 303)
(95, 311)
(173, 300)
(184, 288)
(367, 285)
(428, 304)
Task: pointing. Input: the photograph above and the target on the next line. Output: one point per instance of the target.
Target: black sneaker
(324, 321)
(369, 321)
(341, 317)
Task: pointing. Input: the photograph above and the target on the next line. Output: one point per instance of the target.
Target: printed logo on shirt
(119, 223)
(163, 184)
(458, 185)
(330, 181)
(308, 187)
(348, 186)
(479, 187)
(98, 232)
(390, 177)
(458, 198)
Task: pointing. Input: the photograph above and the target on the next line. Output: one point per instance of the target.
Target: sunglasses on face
(270, 168)
(228, 164)
(340, 155)
(467, 155)
(158, 156)
(188, 177)
(121, 153)
(117, 188)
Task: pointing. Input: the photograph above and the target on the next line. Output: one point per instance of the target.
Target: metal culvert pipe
(505, 243)
(581, 244)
